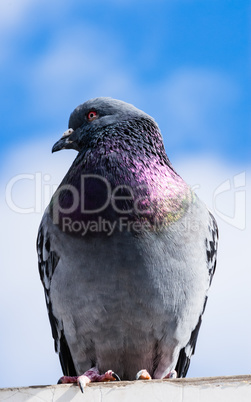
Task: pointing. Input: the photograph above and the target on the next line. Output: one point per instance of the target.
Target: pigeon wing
(47, 263)
(211, 243)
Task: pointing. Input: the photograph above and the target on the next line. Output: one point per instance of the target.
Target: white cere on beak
(68, 132)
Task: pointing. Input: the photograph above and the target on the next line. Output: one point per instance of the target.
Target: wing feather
(211, 243)
(47, 263)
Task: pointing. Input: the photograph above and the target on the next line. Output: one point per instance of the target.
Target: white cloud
(195, 103)
(80, 60)
(224, 346)
(12, 13)
(26, 342)
(17, 13)
(79, 64)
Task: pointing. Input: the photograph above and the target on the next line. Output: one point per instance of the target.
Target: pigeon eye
(92, 115)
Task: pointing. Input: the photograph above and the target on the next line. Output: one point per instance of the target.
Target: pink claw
(143, 375)
(91, 375)
(172, 374)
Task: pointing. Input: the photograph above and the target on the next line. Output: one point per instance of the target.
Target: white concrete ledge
(211, 389)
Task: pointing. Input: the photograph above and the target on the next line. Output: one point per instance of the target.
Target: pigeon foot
(91, 375)
(172, 374)
(143, 375)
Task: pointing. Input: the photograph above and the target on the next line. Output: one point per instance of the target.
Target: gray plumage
(128, 291)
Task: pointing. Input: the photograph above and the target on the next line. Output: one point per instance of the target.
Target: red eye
(92, 115)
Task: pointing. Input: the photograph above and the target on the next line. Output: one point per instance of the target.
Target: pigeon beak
(65, 141)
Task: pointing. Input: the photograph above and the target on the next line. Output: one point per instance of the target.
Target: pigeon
(126, 251)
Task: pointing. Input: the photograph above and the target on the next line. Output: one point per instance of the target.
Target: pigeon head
(89, 120)
(123, 148)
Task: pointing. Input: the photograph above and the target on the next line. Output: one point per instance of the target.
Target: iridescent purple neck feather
(121, 163)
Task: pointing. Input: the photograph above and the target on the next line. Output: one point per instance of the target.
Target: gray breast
(125, 295)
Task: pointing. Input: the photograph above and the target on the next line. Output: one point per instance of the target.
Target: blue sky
(184, 62)
(140, 51)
